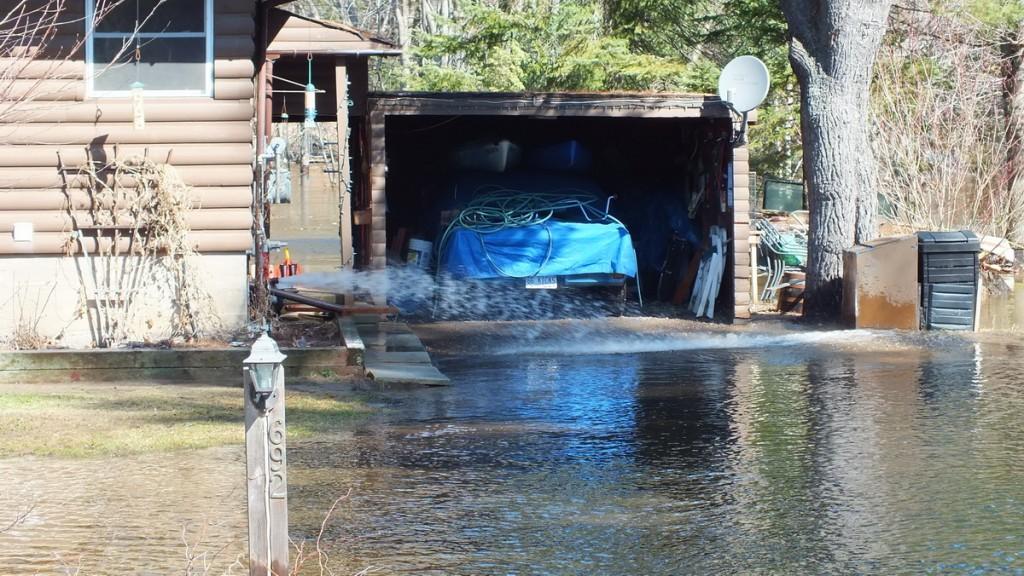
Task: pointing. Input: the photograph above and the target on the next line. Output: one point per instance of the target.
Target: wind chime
(138, 101)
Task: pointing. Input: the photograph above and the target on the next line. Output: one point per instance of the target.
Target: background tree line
(917, 113)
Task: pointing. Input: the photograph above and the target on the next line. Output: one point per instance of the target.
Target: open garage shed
(669, 161)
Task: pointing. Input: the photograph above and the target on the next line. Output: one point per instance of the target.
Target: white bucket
(419, 253)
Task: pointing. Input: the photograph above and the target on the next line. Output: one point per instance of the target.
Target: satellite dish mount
(742, 86)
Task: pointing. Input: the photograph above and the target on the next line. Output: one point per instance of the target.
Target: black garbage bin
(948, 273)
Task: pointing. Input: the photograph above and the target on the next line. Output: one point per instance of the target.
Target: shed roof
(640, 104)
(290, 33)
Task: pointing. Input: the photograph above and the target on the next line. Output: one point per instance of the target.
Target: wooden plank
(344, 165)
(40, 69)
(179, 155)
(294, 32)
(394, 328)
(742, 299)
(685, 287)
(125, 133)
(234, 68)
(120, 110)
(352, 340)
(58, 221)
(202, 198)
(741, 258)
(237, 175)
(740, 154)
(44, 90)
(326, 47)
(233, 89)
(376, 357)
(404, 342)
(407, 374)
(61, 242)
(359, 84)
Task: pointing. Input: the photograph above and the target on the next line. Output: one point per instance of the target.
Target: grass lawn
(74, 421)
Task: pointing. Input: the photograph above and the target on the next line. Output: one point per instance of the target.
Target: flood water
(309, 223)
(696, 453)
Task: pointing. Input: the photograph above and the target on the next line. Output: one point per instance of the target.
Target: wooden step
(418, 373)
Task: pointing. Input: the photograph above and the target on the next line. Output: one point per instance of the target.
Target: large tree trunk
(1012, 49)
(833, 44)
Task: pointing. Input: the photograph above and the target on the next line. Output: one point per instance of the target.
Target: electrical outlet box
(23, 231)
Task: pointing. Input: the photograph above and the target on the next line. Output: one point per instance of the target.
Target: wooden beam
(344, 162)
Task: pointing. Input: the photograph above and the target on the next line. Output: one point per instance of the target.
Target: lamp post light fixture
(264, 364)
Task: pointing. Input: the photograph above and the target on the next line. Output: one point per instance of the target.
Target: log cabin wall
(47, 117)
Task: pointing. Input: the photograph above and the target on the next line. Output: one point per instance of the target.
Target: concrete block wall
(56, 295)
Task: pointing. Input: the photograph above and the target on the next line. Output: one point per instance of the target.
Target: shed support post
(344, 164)
(378, 187)
(744, 259)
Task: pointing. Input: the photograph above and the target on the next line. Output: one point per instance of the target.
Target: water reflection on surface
(900, 458)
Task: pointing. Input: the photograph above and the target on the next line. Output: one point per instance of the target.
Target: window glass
(171, 45)
(166, 64)
(153, 16)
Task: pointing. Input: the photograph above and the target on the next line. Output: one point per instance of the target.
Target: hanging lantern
(138, 106)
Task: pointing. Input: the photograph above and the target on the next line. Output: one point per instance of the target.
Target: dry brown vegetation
(943, 120)
(138, 216)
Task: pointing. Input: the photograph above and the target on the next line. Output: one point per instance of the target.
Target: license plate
(542, 282)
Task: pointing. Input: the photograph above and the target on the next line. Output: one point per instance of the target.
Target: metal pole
(266, 474)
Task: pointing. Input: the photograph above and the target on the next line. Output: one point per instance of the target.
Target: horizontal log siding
(46, 117)
(742, 267)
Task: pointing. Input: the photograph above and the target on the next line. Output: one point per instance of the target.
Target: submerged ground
(599, 447)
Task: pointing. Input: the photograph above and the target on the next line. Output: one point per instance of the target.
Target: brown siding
(209, 140)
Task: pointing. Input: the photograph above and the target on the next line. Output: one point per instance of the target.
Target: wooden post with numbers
(267, 479)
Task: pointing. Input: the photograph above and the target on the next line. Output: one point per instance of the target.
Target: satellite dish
(744, 83)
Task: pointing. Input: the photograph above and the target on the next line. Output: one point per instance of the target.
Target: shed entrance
(666, 172)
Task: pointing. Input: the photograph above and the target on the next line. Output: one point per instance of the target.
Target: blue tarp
(576, 248)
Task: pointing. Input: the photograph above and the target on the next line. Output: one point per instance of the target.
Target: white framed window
(167, 45)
